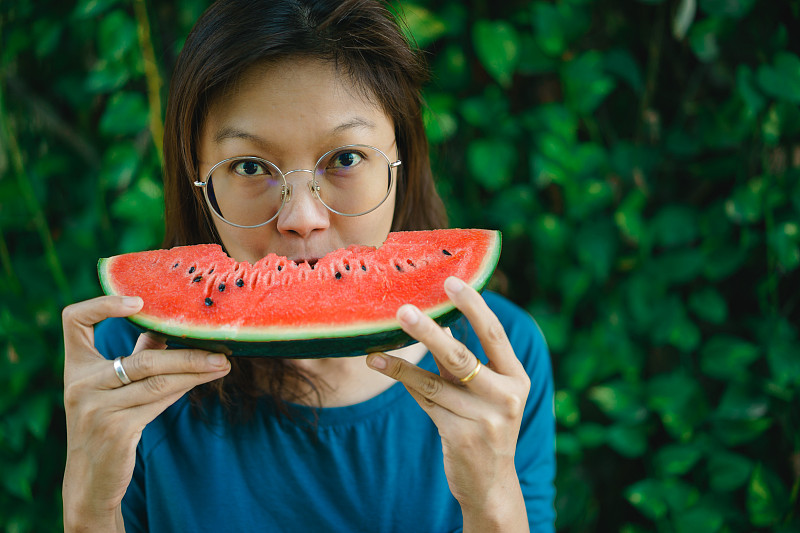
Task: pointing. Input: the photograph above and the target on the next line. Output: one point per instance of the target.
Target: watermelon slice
(342, 305)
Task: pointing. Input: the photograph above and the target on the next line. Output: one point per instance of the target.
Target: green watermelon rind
(338, 341)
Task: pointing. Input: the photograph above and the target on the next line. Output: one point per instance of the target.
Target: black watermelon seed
(221, 287)
(338, 275)
(175, 265)
(398, 268)
(347, 267)
(410, 262)
(209, 301)
(280, 268)
(198, 278)
(191, 270)
(364, 268)
(240, 282)
(445, 252)
(211, 271)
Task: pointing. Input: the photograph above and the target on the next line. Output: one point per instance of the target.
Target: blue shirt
(375, 466)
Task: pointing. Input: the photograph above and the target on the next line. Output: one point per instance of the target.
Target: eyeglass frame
(286, 188)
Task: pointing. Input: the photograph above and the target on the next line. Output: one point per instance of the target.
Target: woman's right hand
(105, 418)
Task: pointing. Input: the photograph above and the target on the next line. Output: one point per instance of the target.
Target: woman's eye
(345, 160)
(250, 168)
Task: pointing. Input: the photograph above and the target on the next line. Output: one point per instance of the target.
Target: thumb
(149, 341)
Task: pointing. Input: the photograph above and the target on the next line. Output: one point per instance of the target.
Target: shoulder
(114, 337)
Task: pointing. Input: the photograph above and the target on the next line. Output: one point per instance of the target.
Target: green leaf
(567, 444)
(92, 8)
(742, 402)
(647, 497)
(782, 80)
(622, 64)
(596, 244)
(510, 211)
(37, 412)
(746, 204)
(628, 216)
(674, 225)
(126, 113)
(678, 494)
(677, 459)
(19, 475)
(764, 505)
(492, 162)
(709, 305)
(566, 407)
(117, 35)
(585, 83)
(591, 435)
(727, 8)
(698, 518)
(627, 440)
(728, 471)
(425, 26)
(746, 87)
(727, 357)
(703, 39)
(619, 400)
(497, 46)
(738, 432)
(440, 123)
(107, 76)
(784, 363)
(784, 240)
(549, 31)
(120, 163)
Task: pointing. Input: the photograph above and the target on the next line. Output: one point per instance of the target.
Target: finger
(451, 355)
(430, 390)
(79, 319)
(161, 390)
(150, 363)
(487, 326)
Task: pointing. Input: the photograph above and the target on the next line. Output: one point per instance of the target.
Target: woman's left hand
(478, 414)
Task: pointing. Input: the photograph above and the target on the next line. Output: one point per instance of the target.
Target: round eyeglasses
(249, 192)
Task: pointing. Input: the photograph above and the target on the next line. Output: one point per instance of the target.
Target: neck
(343, 381)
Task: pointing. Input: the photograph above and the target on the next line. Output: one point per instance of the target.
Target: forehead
(294, 99)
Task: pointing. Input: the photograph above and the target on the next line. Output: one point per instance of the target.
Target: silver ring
(120, 371)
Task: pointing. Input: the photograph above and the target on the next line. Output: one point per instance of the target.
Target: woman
(185, 440)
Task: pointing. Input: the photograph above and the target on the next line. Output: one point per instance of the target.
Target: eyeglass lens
(249, 191)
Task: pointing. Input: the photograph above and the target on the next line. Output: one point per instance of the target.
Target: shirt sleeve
(536, 455)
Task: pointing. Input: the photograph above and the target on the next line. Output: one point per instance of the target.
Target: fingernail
(216, 359)
(132, 301)
(453, 285)
(408, 314)
(377, 362)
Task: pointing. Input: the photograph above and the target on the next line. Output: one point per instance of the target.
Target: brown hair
(364, 41)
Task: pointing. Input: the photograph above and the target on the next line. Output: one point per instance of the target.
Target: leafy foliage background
(642, 158)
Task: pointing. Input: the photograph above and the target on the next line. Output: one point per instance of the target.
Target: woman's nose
(303, 212)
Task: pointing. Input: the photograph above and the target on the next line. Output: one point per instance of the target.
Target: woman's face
(291, 113)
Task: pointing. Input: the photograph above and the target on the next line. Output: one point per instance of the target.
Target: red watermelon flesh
(345, 304)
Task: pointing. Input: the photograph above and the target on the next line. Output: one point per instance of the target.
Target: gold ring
(469, 377)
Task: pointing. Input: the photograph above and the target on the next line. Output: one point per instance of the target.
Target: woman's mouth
(311, 261)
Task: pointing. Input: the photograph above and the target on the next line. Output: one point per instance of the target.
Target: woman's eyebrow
(355, 122)
(230, 132)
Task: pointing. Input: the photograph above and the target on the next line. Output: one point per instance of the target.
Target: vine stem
(154, 81)
(35, 208)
